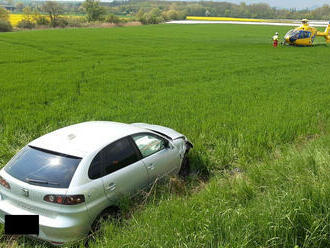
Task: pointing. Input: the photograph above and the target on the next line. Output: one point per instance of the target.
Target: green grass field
(259, 118)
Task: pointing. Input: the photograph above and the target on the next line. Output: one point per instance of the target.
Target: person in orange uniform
(275, 40)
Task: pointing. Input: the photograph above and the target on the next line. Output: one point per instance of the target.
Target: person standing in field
(275, 40)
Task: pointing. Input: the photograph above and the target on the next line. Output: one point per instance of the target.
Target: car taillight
(4, 183)
(65, 199)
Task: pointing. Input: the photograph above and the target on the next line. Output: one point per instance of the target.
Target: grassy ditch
(244, 104)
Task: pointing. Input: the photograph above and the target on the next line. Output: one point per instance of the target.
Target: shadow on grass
(199, 167)
(320, 45)
(308, 46)
(168, 187)
(22, 240)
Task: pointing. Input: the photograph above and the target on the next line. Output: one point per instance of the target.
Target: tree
(93, 9)
(54, 10)
(27, 14)
(27, 20)
(139, 14)
(19, 6)
(5, 25)
(38, 18)
(4, 15)
(154, 16)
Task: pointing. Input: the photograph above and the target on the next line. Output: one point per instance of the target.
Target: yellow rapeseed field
(15, 18)
(202, 18)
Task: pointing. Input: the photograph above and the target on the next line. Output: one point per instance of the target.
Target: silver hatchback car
(69, 177)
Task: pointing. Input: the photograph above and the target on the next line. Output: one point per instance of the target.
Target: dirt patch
(112, 25)
(132, 24)
(85, 25)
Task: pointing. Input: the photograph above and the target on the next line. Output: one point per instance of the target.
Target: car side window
(148, 144)
(304, 34)
(118, 155)
(95, 169)
(113, 157)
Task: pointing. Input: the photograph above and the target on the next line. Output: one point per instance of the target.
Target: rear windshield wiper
(40, 181)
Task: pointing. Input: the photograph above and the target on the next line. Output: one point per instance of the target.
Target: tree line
(219, 9)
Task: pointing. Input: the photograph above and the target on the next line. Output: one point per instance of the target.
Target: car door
(124, 171)
(159, 156)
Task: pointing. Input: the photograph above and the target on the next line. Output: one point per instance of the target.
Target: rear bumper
(56, 230)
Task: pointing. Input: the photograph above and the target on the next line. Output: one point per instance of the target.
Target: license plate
(21, 224)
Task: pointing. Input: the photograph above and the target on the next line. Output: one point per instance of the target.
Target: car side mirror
(166, 144)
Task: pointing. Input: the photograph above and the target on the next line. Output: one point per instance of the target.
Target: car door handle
(111, 187)
(150, 167)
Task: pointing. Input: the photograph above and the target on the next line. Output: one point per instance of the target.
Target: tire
(111, 213)
(107, 214)
(185, 167)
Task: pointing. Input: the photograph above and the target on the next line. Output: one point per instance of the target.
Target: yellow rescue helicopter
(305, 35)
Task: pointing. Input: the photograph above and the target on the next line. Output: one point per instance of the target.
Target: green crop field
(259, 118)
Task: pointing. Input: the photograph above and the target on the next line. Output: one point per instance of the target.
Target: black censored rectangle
(21, 224)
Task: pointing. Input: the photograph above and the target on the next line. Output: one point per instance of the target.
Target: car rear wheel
(185, 167)
(111, 213)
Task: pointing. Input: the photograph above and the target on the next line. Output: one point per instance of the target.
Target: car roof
(84, 138)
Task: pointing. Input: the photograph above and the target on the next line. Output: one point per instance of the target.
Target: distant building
(7, 6)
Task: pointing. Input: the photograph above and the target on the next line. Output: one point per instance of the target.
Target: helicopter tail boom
(327, 33)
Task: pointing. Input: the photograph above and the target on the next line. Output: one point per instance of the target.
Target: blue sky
(298, 4)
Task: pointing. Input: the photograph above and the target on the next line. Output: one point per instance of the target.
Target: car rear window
(43, 168)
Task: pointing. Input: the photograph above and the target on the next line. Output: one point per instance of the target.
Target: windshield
(292, 32)
(289, 32)
(43, 168)
(298, 34)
